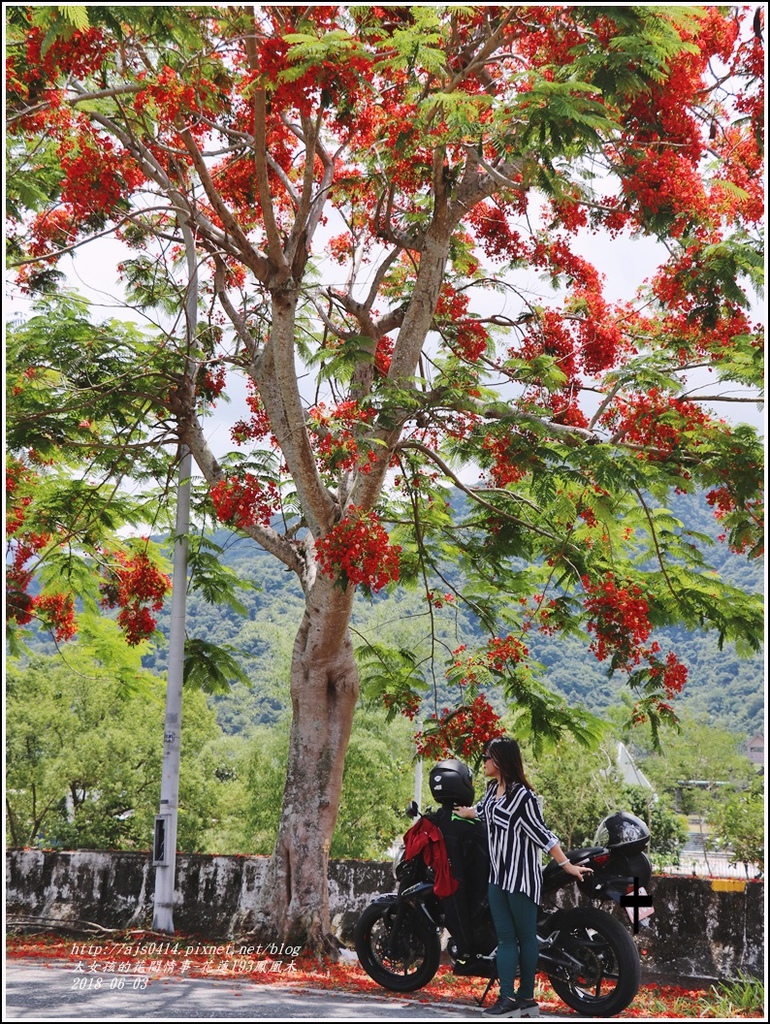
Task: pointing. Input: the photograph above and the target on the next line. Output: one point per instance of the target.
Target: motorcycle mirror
(412, 810)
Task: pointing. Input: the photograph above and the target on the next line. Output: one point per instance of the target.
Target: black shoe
(504, 1007)
(526, 1008)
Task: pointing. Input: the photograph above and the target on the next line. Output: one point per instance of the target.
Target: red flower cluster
(550, 335)
(566, 409)
(621, 626)
(97, 176)
(461, 732)
(212, 384)
(721, 500)
(172, 96)
(467, 336)
(344, 82)
(135, 586)
(257, 427)
(336, 436)
(569, 212)
(57, 611)
(555, 256)
(49, 231)
(407, 703)
(15, 504)
(54, 610)
(245, 500)
(237, 185)
(383, 355)
(341, 247)
(600, 336)
(504, 651)
(667, 182)
(504, 469)
(49, 58)
(20, 604)
(618, 619)
(673, 675)
(500, 657)
(358, 550)
(137, 622)
(656, 420)
(498, 239)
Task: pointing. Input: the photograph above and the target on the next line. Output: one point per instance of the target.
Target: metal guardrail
(712, 866)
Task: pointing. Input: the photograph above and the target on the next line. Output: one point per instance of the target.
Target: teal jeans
(515, 917)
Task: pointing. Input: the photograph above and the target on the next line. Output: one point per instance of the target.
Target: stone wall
(701, 928)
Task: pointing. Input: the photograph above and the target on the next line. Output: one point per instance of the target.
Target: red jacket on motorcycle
(424, 838)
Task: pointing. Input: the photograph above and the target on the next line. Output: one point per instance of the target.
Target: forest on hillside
(89, 778)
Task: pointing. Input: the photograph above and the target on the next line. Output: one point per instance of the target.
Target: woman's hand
(465, 812)
(576, 870)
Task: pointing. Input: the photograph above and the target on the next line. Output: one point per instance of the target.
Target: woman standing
(517, 834)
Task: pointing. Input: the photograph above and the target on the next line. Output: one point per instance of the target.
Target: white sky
(625, 262)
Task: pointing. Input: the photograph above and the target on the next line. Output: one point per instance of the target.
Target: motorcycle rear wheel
(402, 962)
(606, 976)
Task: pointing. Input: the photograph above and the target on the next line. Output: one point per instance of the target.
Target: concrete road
(56, 992)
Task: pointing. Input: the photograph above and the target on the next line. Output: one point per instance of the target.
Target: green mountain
(725, 688)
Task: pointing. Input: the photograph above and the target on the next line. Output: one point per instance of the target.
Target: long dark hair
(506, 754)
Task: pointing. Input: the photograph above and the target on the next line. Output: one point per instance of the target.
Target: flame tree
(388, 206)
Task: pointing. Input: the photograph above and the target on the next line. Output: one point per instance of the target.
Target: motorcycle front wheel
(602, 970)
(401, 955)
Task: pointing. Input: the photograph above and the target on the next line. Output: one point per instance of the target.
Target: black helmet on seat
(624, 832)
(451, 783)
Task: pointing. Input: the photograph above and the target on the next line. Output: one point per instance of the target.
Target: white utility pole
(164, 845)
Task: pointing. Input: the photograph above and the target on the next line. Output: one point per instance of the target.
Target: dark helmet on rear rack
(624, 832)
(451, 783)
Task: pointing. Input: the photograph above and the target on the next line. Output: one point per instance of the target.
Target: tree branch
(253, 260)
(235, 318)
(654, 536)
(191, 433)
(436, 458)
(274, 245)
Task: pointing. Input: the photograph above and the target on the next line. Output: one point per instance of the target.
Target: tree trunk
(294, 902)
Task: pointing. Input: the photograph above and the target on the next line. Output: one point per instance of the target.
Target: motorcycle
(589, 956)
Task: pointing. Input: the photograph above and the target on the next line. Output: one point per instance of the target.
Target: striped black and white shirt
(517, 834)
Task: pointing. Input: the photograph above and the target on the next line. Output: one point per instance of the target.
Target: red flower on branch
(337, 438)
(245, 500)
(618, 619)
(658, 422)
(257, 427)
(461, 732)
(358, 550)
(672, 675)
(57, 612)
(406, 703)
(138, 588)
(467, 336)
